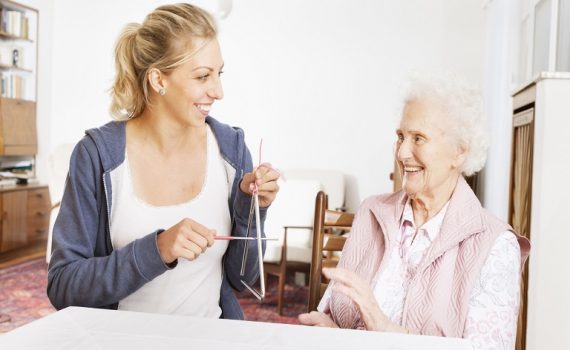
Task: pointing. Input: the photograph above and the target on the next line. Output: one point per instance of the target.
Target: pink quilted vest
(437, 299)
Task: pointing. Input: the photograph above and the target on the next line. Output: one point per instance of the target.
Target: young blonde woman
(147, 193)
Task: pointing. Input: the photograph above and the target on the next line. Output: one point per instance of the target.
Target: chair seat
(299, 245)
(294, 253)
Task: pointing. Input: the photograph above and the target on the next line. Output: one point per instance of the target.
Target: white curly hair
(465, 114)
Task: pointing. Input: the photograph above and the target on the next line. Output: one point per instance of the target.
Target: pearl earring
(161, 92)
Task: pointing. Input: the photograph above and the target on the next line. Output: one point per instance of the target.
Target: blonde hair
(163, 41)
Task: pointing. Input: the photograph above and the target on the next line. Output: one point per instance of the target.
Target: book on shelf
(8, 182)
(8, 178)
(12, 85)
(16, 165)
(16, 174)
(16, 171)
(15, 23)
(18, 181)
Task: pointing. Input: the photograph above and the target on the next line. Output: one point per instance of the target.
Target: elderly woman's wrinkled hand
(318, 319)
(351, 285)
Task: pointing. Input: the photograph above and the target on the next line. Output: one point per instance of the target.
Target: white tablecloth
(85, 328)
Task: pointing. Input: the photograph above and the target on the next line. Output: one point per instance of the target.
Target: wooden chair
(284, 266)
(326, 241)
(290, 221)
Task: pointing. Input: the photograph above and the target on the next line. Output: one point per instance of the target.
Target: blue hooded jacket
(85, 270)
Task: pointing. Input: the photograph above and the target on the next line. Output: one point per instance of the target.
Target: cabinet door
(521, 199)
(14, 233)
(18, 127)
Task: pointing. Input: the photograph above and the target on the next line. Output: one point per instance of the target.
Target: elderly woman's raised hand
(318, 319)
(351, 285)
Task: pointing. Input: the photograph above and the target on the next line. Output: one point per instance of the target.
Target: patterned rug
(294, 303)
(23, 294)
(23, 297)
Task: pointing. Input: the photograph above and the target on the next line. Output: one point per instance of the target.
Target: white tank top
(193, 287)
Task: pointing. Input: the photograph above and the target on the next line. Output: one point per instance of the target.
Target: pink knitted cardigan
(437, 299)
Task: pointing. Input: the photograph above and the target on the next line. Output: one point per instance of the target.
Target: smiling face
(192, 88)
(428, 156)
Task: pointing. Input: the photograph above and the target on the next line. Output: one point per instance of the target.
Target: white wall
(318, 80)
(500, 68)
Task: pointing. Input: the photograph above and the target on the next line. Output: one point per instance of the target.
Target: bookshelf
(18, 50)
(24, 209)
(18, 87)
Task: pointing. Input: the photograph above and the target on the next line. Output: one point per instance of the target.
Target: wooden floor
(19, 255)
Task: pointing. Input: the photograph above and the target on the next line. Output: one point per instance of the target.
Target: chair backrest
(333, 182)
(292, 207)
(326, 241)
(58, 163)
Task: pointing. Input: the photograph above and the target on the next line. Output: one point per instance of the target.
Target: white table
(85, 328)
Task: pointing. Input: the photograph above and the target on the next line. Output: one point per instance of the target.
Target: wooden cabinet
(25, 213)
(18, 135)
(18, 73)
(538, 207)
(24, 210)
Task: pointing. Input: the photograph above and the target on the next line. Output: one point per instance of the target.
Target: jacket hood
(110, 141)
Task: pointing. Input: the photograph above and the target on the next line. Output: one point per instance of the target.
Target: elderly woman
(429, 259)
